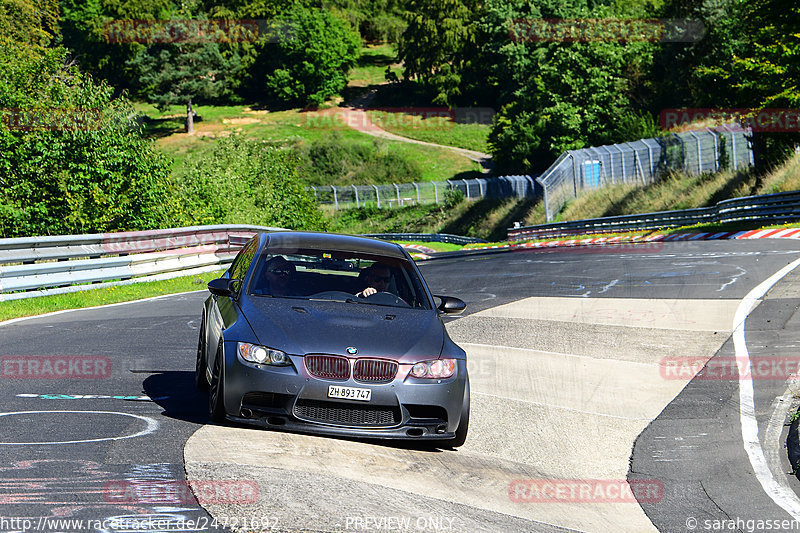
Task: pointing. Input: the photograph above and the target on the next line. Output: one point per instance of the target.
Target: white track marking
(781, 495)
(152, 425)
(21, 319)
(734, 279)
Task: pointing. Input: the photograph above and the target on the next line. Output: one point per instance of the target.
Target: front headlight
(253, 353)
(436, 369)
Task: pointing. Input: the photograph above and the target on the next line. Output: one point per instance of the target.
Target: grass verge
(434, 129)
(108, 295)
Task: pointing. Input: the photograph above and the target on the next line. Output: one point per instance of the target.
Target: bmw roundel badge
(352, 350)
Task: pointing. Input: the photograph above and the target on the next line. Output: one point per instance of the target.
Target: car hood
(301, 327)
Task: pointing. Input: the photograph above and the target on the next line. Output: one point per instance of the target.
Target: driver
(377, 278)
(280, 276)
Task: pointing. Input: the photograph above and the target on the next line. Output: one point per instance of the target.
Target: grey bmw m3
(334, 335)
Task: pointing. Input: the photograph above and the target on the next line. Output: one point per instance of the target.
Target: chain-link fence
(641, 162)
(400, 194)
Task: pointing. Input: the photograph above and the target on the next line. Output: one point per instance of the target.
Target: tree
(72, 160)
(558, 95)
(181, 72)
(72, 157)
(33, 24)
(310, 59)
(766, 72)
(750, 58)
(438, 40)
(88, 28)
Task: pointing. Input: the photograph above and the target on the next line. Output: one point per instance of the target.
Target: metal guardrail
(776, 208)
(36, 266)
(425, 237)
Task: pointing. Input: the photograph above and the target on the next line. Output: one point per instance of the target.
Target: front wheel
(216, 393)
(463, 424)
(200, 379)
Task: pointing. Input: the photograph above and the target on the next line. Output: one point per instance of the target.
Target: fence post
(335, 198)
(533, 187)
(417, 188)
(610, 160)
(466, 186)
(315, 192)
(575, 175)
(638, 162)
(683, 151)
(699, 152)
(356, 191)
(733, 148)
(377, 195)
(716, 149)
(650, 159)
(435, 192)
(396, 188)
(621, 160)
(547, 215)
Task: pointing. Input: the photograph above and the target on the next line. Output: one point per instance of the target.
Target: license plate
(349, 393)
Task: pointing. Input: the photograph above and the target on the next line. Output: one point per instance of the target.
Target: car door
(224, 311)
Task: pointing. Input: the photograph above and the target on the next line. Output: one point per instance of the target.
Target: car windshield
(349, 277)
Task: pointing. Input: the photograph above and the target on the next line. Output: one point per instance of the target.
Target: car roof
(332, 241)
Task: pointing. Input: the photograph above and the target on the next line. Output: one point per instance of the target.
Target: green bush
(248, 182)
(333, 161)
(72, 160)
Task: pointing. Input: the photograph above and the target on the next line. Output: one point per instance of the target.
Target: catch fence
(641, 162)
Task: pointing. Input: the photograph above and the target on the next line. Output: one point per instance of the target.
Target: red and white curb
(779, 233)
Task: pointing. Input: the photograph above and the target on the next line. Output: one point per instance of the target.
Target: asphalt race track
(581, 365)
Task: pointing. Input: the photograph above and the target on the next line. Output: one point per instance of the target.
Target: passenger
(377, 278)
(280, 276)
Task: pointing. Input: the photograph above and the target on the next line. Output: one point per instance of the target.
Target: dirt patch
(245, 120)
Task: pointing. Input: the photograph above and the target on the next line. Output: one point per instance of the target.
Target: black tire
(463, 424)
(200, 380)
(216, 391)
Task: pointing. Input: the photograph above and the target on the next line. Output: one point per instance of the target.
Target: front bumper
(288, 398)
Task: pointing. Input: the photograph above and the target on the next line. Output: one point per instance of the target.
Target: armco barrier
(775, 208)
(425, 237)
(36, 266)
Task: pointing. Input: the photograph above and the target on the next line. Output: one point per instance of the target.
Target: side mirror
(450, 305)
(223, 286)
